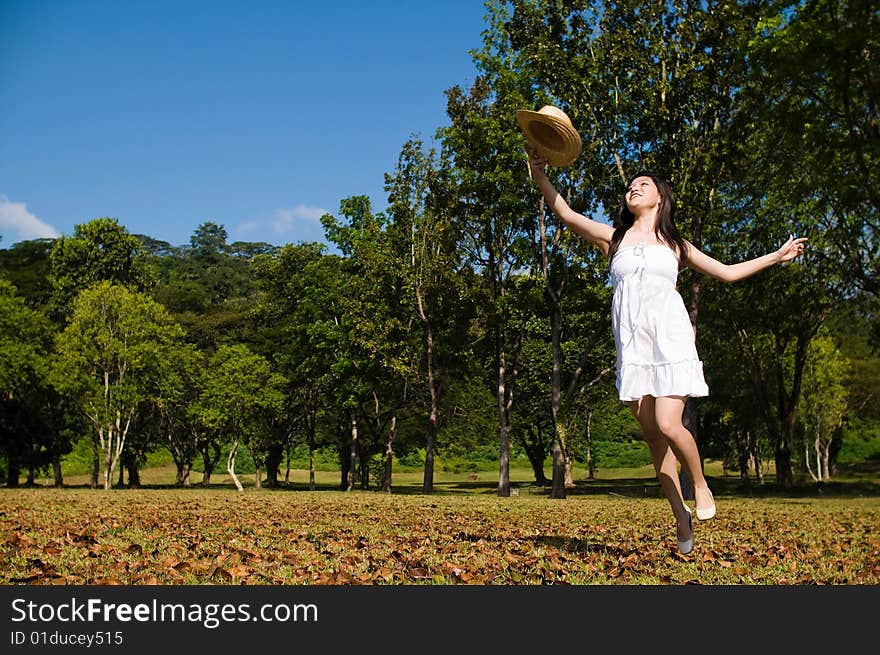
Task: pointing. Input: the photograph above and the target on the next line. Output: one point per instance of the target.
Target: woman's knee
(669, 427)
(668, 413)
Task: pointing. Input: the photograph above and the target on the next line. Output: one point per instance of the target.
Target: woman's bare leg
(668, 411)
(664, 461)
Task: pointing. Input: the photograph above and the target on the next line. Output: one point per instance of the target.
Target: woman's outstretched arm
(595, 232)
(703, 263)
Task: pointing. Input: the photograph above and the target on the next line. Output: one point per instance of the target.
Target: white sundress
(656, 350)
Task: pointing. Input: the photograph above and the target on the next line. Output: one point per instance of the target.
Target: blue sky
(259, 116)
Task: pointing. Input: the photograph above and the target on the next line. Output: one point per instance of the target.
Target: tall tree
(424, 251)
(111, 359)
(825, 403)
(380, 341)
(488, 209)
(238, 389)
(295, 301)
(183, 434)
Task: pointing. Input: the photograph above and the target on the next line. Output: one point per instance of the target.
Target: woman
(657, 362)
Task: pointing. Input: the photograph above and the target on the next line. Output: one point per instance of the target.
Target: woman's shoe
(706, 513)
(686, 546)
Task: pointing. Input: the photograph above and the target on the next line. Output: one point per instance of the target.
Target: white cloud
(18, 224)
(289, 219)
(302, 223)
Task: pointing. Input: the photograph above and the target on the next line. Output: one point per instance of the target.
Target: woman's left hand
(791, 249)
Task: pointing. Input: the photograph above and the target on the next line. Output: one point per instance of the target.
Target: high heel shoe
(706, 513)
(686, 546)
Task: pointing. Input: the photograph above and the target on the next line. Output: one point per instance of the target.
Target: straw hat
(550, 131)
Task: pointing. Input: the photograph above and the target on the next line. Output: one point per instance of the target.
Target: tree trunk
(56, 469)
(352, 453)
(183, 471)
(759, 467)
(784, 477)
(311, 465)
(134, 474)
(183, 445)
(742, 455)
(96, 462)
(503, 422)
(258, 477)
(274, 457)
(826, 460)
(559, 421)
(108, 460)
(13, 471)
(345, 464)
(569, 479)
(787, 407)
(364, 470)
(310, 440)
(433, 417)
(834, 448)
(209, 461)
(389, 455)
(537, 454)
(558, 486)
(113, 446)
(808, 458)
(591, 465)
(230, 465)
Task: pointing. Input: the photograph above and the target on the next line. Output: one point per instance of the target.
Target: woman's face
(642, 194)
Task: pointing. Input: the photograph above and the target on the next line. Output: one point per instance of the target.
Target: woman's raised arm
(595, 232)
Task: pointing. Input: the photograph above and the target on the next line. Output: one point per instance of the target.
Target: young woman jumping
(657, 362)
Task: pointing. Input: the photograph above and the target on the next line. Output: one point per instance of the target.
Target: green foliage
(26, 265)
(117, 339)
(860, 442)
(27, 437)
(100, 250)
(24, 342)
(818, 138)
(824, 395)
(237, 388)
(206, 283)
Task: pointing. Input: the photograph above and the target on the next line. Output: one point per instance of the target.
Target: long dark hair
(665, 229)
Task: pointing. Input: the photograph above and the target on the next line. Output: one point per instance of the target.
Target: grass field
(614, 530)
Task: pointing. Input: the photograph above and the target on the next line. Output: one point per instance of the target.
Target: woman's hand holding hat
(550, 132)
(536, 161)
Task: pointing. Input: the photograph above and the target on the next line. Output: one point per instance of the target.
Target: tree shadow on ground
(577, 546)
(572, 545)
